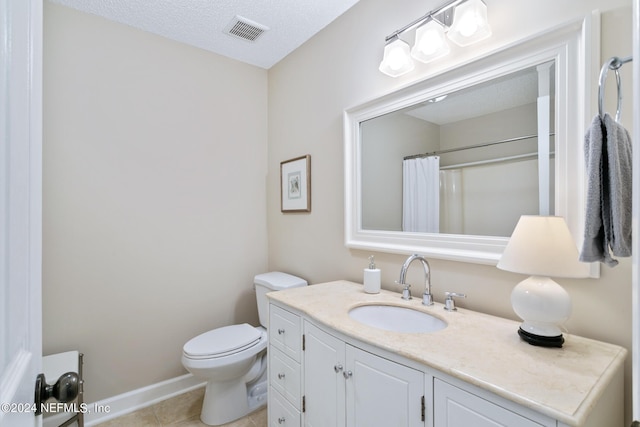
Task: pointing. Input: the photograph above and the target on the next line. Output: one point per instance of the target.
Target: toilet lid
(222, 341)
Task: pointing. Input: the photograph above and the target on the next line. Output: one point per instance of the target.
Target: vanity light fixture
(542, 246)
(463, 21)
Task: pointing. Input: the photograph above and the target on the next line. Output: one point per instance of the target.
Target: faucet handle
(449, 303)
(406, 293)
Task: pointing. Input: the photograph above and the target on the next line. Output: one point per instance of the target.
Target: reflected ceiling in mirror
(467, 162)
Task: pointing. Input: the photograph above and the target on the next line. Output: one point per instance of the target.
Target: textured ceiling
(514, 90)
(201, 23)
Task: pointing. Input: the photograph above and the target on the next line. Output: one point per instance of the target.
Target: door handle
(64, 390)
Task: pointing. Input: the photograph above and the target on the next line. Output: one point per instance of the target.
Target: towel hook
(614, 64)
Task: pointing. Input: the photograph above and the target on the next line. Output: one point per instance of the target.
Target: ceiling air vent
(245, 29)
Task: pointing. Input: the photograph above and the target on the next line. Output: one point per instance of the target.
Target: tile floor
(182, 411)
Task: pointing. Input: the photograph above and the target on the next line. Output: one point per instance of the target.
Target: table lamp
(542, 246)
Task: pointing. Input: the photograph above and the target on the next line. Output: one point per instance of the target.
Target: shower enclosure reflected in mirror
(468, 162)
(495, 139)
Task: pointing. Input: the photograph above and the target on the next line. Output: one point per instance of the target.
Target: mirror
(494, 139)
(457, 164)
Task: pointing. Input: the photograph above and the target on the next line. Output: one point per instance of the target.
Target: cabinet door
(454, 407)
(382, 393)
(323, 378)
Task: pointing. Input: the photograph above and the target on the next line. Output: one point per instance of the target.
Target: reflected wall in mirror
(479, 183)
(468, 162)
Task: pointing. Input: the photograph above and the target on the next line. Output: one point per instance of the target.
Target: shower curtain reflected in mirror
(421, 195)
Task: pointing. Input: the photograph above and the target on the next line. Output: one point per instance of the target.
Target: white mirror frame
(571, 48)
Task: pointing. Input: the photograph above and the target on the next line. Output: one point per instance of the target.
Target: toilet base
(229, 401)
(258, 395)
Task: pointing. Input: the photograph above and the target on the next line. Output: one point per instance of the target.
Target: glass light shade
(430, 43)
(470, 23)
(397, 58)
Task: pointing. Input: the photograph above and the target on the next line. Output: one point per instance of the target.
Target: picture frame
(295, 184)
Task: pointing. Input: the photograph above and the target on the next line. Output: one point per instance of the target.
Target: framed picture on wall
(295, 184)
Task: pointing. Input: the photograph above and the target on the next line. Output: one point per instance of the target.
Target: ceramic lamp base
(543, 305)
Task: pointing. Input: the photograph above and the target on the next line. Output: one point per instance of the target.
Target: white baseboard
(122, 404)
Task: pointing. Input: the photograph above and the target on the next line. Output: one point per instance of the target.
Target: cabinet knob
(281, 420)
(280, 376)
(347, 374)
(337, 368)
(280, 331)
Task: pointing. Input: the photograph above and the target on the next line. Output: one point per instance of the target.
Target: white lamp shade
(397, 58)
(470, 23)
(430, 42)
(542, 246)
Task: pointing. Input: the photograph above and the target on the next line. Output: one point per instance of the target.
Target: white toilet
(232, 359)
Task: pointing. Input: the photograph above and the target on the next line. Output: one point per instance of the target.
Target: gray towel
(609, 185)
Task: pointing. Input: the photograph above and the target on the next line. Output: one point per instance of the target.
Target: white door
(20, 209)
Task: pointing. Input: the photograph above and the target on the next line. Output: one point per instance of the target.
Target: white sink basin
(397, 319)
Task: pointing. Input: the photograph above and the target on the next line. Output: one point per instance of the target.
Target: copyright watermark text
(55, 407)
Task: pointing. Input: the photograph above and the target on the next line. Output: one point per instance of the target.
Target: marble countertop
(476, 348)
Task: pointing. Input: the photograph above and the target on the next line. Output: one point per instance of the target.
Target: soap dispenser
(372, 277)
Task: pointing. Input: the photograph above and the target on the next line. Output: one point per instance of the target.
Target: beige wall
(388, 140)
(337, 69)
(154, 197)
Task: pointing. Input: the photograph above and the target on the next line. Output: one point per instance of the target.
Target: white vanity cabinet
(346, 386)
(323, 381)
(327, 370)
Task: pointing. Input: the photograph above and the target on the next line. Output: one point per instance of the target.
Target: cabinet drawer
(284, 374)
(281, 412)
(285, 332)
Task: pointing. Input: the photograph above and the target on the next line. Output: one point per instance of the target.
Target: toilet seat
(222, 342)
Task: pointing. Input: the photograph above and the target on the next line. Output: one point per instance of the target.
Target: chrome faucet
(427, 298)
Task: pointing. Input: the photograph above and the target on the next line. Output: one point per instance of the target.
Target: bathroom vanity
(327, 369)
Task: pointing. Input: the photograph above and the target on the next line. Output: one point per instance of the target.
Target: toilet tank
(272, 281)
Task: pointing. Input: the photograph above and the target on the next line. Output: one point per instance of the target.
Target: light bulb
(470, 23)
(430, 42)
(397, 59)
